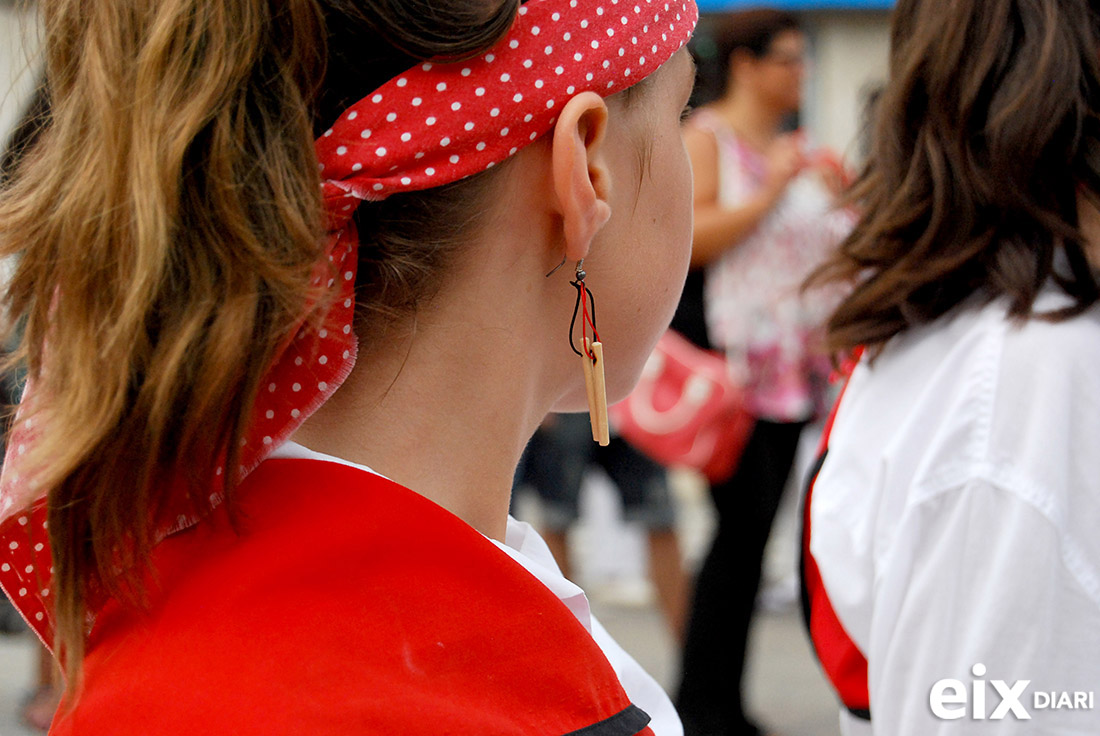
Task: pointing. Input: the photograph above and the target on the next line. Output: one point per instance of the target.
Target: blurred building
(18, 62)
(849, 47)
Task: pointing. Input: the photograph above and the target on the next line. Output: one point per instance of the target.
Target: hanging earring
(591, 355)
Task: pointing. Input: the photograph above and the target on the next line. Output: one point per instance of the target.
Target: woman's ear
(581, 179)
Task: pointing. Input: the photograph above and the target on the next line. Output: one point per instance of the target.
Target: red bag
(686, 410)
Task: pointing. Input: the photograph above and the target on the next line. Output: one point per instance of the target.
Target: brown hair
(721, 34)
(984, 134)
(167, 219)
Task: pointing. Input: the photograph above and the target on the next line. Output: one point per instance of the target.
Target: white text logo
(951, 700)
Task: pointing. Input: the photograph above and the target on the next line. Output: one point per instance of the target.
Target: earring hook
(557, 267)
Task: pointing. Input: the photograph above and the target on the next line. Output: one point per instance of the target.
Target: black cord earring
(591, 354)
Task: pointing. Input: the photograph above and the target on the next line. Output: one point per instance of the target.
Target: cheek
(672, 187)
(787, 86)
(661, 244)
(662, 227)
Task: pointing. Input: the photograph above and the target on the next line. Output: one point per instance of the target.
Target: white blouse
(956, 524)
(524, 545)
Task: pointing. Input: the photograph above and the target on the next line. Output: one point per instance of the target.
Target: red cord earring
(591, 355)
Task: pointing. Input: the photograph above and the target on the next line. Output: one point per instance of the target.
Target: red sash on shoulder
(844, 664)
(346, 604)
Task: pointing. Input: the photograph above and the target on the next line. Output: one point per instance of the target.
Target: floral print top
(756, 312)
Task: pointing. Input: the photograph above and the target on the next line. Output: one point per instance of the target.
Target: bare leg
(667, 573)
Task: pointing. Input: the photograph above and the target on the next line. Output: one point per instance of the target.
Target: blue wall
(717, 5)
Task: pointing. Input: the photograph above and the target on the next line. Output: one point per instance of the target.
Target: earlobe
(581, 179)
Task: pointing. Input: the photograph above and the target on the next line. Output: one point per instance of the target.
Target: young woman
(955, 562)
(764, 219)
(291, 278)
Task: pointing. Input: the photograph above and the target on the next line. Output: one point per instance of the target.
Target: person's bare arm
(719, 228)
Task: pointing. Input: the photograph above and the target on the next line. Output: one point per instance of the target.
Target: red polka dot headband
(438, 123)
(434, 124)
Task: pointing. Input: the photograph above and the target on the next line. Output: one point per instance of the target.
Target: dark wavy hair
(983, 137)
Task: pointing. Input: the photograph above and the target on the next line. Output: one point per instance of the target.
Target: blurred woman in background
(764, 219)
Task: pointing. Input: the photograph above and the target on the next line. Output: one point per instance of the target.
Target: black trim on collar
(627, 722)
(804, 598)
(811, 478)
(860, 713)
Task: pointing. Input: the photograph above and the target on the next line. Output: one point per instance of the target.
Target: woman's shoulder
(980, 395)
(976, 389)
(1040, 370)
(979, 346)
(1045, 405)
(706, 119)
(707, 124)
(1047, 341)
(341, 602)
(976, 400)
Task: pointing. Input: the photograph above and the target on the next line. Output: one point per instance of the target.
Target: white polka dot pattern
(480, 112)
(317, 360)
(501, 101)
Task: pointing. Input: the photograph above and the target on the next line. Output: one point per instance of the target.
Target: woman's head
(986, 132)
(171, 227)
(435, 122)
(760, 52)
(637, 252)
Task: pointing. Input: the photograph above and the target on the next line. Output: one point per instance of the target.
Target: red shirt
(325, 614)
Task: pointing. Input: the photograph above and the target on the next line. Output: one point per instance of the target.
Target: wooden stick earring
(591, 355)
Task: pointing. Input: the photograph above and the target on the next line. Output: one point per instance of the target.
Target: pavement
(17, 665)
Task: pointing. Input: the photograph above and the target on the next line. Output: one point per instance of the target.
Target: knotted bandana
(431, 125)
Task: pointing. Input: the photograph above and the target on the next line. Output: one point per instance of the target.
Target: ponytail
(166, 224)
(167, 220)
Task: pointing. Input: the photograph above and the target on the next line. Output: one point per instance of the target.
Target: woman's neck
(755, 123)
(449, 422)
